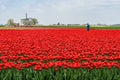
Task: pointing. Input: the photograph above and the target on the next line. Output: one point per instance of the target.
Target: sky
(63, 11)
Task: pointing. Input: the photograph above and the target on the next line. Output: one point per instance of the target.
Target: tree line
(32, 22)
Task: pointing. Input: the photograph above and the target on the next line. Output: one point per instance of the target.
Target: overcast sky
(63, 11)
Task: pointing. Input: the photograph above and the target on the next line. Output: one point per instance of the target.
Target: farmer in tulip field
(87, 27)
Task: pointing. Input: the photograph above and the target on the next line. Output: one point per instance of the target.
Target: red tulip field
(59, 54)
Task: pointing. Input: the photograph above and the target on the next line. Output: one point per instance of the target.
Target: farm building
(26, 21)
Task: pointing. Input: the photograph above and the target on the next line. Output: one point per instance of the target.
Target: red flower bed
(67, 48)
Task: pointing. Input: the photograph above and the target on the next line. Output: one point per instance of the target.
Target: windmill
(26, 21)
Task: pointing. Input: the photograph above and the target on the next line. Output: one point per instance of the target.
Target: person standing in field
(87, 27)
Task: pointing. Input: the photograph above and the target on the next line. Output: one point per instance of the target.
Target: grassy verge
(106, 28)
(61, 27)
(83, 27)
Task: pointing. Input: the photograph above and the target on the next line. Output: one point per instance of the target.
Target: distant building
(16, 24)
(101, 25)
(73, 24)
(116, 25)
(26, 21)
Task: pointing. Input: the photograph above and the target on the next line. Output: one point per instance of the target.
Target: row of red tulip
(60, 58)
(68, 48)
(75, 65)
